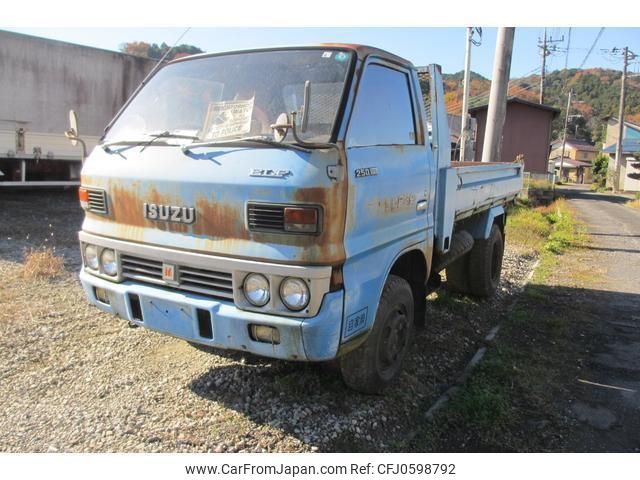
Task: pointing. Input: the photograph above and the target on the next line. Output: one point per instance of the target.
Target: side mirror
(281, 127)
(74, 135)
(73, 131)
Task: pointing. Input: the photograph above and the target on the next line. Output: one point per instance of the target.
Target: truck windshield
(237, 95)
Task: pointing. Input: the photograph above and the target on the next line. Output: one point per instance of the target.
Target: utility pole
(464, 129)
(564, 135)
(544, 53)
(618, 159)
(544, 60)
(498, 95)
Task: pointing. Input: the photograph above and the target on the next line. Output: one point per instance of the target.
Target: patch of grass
(544, 231)
(42, 263)
(483, 403)
(634, 203)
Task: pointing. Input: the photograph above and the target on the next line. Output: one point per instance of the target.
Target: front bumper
(175, 313)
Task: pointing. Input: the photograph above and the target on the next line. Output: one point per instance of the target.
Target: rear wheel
(377, 362)
(485, 264)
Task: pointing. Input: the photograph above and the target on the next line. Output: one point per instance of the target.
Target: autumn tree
(155, 51)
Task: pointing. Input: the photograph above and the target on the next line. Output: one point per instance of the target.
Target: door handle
(421, 206)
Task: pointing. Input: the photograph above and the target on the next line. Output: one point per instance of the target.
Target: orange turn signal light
(83, 195)
(301, 219)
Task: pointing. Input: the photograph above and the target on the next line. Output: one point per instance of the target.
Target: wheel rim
(394, 341)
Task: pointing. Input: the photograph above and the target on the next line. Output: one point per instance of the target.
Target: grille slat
(97, 201)
(147, 263)
(192, 279)
(265, 217)
(188, 280)
(142, 270)
(215, 275)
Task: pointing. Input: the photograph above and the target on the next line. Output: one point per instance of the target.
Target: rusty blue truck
(297, 203)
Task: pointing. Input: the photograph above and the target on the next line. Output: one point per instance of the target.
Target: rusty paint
(386, 206)
(220, 226)
(219, 220)
(329, 245)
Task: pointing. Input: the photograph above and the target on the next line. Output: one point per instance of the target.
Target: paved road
(610, 412)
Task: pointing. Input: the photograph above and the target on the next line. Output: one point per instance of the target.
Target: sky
(445, 46)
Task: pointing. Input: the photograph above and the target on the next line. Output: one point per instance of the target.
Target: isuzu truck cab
(296, 203)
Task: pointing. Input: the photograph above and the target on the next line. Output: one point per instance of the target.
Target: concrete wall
(41, 80)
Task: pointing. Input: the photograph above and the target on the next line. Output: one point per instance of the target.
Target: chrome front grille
(192, 279)
(97, 201)
(263, 217)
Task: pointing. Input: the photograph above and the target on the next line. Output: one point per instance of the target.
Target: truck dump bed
(484, 185)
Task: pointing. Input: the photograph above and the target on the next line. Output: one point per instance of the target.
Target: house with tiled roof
(578, 159)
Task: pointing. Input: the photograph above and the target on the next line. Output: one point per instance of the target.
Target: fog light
(108, 261)
(91, 256)
(101, 295)
(294, 293)
(265, 334)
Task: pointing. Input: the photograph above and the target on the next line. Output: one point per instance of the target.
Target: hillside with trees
(596, 94)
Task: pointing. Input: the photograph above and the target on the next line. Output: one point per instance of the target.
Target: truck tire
(485, 264)
(458, 275)
(376, 363)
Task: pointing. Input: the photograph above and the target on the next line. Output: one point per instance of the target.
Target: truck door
(389, 171)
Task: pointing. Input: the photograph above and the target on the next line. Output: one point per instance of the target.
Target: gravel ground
(74, 379)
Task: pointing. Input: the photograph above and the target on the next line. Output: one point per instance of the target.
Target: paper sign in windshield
(226, 119)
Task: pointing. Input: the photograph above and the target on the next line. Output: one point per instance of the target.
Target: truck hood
(216, 182)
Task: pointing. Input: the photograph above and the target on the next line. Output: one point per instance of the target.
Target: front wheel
(377, 362)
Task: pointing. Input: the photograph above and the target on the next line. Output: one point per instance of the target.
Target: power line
(592, 47)
(483, 96)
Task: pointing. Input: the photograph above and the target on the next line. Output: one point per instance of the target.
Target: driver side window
(383, 112)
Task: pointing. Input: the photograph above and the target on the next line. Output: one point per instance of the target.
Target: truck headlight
(256, 289)
(108, 261)
(294, 293)
(91, 256)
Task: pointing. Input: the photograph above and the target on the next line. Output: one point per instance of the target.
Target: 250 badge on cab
(366, 172)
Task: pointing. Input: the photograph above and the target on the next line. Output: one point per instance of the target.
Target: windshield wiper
(264, 140)
(154, 138)
(167, 134)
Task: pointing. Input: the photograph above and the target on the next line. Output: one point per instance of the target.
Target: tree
(139, 49)
(155, 51)
(600, 167)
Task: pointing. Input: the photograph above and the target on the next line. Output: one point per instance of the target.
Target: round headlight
(294, 293)
(256, 289)
(108, 261)
(91, 256)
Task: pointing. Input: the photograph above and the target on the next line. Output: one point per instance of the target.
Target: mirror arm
(305, 106)
(304, 143)
(71, 135)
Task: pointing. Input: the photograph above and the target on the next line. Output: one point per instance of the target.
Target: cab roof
(361, 51)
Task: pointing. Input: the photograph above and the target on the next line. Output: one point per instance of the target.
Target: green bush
(600, 167)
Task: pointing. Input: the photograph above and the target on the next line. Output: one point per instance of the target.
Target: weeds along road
(74, 379)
